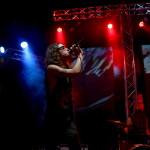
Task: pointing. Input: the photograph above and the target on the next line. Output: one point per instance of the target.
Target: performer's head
(56, 53)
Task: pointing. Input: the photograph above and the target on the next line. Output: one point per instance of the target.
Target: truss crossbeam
(101, 11)
(20, 55)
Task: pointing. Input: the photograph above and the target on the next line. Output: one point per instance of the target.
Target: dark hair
(52, 56)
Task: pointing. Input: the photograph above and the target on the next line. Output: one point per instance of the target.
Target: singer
(59, 116)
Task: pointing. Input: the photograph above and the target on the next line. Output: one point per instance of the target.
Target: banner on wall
(93, 90)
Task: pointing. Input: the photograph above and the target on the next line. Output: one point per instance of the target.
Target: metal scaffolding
(20, 55)
(129, 65)
(124, 13)
(101, 11)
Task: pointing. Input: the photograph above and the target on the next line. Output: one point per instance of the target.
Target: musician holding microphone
(59, 116)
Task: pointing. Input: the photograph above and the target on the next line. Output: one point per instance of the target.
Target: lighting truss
(19, 55)
(129, 66)
(101, 11)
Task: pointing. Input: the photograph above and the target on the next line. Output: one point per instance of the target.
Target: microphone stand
(118, 138)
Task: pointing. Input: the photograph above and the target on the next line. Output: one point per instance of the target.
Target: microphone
(76, 45)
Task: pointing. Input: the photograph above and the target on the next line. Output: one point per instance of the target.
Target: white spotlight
(2, 49)
(24, 44)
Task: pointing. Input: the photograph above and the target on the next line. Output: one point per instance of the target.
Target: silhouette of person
(59, 117)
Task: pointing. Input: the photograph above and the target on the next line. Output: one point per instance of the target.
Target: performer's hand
(76, 50)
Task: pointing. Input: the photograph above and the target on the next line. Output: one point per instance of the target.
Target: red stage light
(110, 26)
(141, 24)
(59, 29)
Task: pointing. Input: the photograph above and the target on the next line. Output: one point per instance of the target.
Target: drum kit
(119, 125)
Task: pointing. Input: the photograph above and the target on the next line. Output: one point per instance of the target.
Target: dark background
(21, 122)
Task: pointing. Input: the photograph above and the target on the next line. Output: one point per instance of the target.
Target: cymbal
(118, 122)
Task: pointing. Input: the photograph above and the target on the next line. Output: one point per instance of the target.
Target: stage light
(2, 49)
(59, 29)
(141, 24)
(24, 44)
(60, 35)
(110, 26)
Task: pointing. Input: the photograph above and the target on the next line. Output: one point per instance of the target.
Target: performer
(59, 117)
